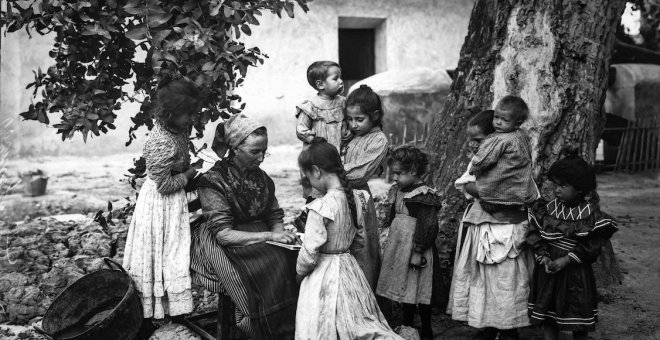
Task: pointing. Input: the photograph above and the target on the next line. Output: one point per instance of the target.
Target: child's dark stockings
(424, 314)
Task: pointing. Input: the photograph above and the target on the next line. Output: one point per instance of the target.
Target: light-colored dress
(364, 157)
(490, 283)
(398, 281)
(157, 253)
(320, 117)
(335, 300)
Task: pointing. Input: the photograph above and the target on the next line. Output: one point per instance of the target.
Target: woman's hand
(558, 264)
(471, 188)
(286, 237)
(190, 173)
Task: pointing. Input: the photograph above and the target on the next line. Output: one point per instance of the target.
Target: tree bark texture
(553, 54)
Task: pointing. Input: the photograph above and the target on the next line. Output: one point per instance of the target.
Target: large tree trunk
(553, 54)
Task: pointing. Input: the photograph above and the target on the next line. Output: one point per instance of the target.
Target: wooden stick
(636, 149)
(619, 151)
(415, 140)
(657, 148)
(652, 148)
(626, 154)
(405, 130)
(647, 145)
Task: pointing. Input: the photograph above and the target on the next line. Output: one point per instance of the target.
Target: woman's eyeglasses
(256, 154)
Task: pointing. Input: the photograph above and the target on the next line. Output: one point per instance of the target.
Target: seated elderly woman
(229, 253)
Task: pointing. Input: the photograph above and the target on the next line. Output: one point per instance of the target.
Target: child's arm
(590, 242)
(361, 171)
(160, 157)
(346, 137)
(424, 208)
(315, 236)
(538, 245)
(461, 183)
(488, 154)
(426, 229)
(304, 126)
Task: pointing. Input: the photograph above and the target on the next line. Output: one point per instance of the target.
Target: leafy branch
(95, 55)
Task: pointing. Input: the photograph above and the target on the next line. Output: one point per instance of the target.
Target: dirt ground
(627, 311)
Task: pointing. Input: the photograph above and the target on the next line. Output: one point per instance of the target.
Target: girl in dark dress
(410, 259)
(566, 236)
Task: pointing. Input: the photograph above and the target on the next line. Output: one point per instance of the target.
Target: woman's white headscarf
(232, 133)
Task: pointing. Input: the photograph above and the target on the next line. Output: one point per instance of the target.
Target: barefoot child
(566, 236)
(323, 114)
(335, 300)
(157, 253)
(490, 281)
(364, 156)
(406, 275)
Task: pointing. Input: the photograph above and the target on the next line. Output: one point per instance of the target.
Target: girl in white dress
(335, 301)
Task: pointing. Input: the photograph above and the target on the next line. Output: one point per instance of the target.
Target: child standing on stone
(157, 253)
(406, 275)
(566, 235)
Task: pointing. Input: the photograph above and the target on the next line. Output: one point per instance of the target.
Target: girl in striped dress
(364, 156)
(335, 300)
(157, 253)
(566, 236)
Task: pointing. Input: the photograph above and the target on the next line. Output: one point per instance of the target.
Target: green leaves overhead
(94, 55)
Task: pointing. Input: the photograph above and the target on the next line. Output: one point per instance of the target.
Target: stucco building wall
(408, 33)
(414, 33)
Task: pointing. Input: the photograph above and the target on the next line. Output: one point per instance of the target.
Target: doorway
(357, 54)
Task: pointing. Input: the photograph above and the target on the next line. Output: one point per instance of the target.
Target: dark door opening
(357, 55)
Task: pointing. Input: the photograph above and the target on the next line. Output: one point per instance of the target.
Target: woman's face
(251, 152)
(359, 122)
(475, 137)
(181, 121)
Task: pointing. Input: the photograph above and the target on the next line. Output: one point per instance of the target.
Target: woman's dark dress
(259, 278)
(567, 298)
